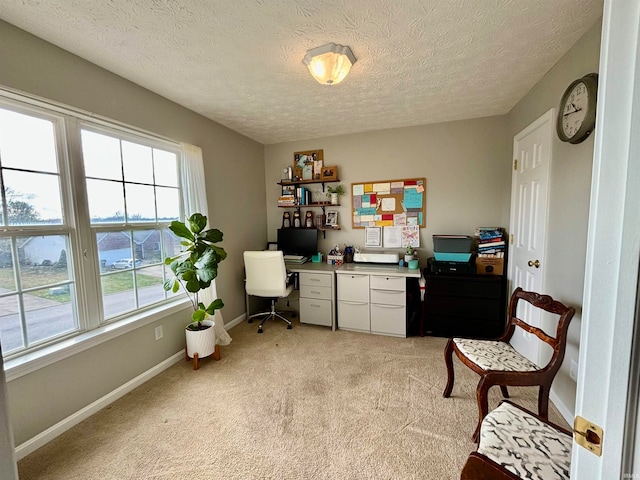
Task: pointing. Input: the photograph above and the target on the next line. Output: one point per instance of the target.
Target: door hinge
(511, 239)
(588, 435)
(515, 164)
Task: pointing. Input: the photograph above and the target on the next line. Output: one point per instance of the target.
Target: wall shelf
(322, 205)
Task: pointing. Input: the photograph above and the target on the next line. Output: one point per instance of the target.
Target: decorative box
(335, 259)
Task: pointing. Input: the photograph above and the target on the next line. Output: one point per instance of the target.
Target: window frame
(83, 259)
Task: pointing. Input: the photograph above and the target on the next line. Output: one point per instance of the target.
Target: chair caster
(260, 330)
(289, 327)
(250, 320)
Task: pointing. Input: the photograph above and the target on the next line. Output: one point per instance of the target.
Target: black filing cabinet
(464, 305)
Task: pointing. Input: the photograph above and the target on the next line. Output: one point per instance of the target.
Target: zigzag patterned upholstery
(515, 443)
(494, 355)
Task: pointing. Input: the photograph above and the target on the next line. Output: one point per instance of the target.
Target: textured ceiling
(239, 62)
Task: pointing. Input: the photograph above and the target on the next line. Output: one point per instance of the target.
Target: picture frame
(331, 218)
(306, 163)
(329, 173)
(288, 190)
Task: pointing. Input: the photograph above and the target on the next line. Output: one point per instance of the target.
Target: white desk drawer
(314, 291)
(388, 283)
(319, 279)
(353, 316)
(317, 312)
(388, 297)
(354, 288)
(389, 320)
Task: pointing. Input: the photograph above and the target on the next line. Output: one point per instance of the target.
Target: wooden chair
(498, 363)
(517, 444)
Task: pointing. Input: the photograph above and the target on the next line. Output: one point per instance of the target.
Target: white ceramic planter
(334, 198)
(202, 342)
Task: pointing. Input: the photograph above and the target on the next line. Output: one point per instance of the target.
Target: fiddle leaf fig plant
(197, 265)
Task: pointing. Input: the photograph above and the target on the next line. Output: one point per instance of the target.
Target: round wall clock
(577, 112)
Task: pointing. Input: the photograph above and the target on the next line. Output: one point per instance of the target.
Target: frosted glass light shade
(330, 63)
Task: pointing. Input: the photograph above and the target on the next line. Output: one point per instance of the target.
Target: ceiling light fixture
(330, 63)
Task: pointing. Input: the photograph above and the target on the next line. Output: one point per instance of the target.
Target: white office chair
(266, 276)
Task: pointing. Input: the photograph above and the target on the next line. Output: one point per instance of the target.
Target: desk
(373, 298)
(385, 285)
(317, 287)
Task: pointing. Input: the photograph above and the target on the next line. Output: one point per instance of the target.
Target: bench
(518, 444)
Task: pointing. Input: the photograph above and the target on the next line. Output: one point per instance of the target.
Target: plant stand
(196, 358)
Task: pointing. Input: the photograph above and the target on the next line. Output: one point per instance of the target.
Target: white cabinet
(316, 298)
(372, 303)
(353, 302)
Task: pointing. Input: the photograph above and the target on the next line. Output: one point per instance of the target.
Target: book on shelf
(491, 255)
(491, 245)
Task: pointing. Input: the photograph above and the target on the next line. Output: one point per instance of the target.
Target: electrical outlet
(159, 333)
(573, 370)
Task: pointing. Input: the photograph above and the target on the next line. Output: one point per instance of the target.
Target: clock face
(575, 109)
(577, 112)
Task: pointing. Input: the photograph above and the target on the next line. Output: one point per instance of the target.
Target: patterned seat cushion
(493, 355)
(524, 445)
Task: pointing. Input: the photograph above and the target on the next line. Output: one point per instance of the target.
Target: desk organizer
(335, 259)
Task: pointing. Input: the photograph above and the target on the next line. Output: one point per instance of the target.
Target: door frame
(613, 255)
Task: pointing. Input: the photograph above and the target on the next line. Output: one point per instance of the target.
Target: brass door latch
(588, 435)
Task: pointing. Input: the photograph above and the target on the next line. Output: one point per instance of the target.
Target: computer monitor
(298, 241)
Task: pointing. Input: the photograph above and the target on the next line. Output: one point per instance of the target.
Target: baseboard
(59, 428)
(235, 322)
(566, 413)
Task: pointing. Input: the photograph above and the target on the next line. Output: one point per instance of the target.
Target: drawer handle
(393, 292)
(353, 303)
(314, 305)
(388, 306)
(314, 279)
(313, 291)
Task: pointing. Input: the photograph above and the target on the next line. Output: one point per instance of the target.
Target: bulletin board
(389, 203)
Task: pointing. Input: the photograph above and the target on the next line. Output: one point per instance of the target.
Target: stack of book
(287, 201)
(491, 243)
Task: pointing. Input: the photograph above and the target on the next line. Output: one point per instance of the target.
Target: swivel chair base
(269, 315)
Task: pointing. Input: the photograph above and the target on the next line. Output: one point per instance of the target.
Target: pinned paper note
(392, 237)
(388, 204)
(412, 198)
(358, 190)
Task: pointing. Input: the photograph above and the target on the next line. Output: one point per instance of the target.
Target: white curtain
(195, 201)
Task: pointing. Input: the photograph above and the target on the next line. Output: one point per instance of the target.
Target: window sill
(33, 361)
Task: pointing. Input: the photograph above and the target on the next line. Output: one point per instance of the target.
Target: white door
(529, 205)
(613, 244)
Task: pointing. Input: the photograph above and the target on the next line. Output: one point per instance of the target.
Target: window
(137, 185)
(114, 196)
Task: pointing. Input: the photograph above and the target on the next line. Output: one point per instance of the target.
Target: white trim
(32, 361)
(235, 322)
(62, 426)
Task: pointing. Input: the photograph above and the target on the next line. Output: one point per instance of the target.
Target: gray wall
(465, 164)
(570, 189)
(233, 165)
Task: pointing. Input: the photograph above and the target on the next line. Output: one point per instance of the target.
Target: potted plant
(334, 192)
(409, 254)
(194, 269)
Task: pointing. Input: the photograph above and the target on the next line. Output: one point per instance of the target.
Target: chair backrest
(266, 274)
(548, 304)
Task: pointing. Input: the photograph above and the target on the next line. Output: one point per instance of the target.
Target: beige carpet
(305, 403)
